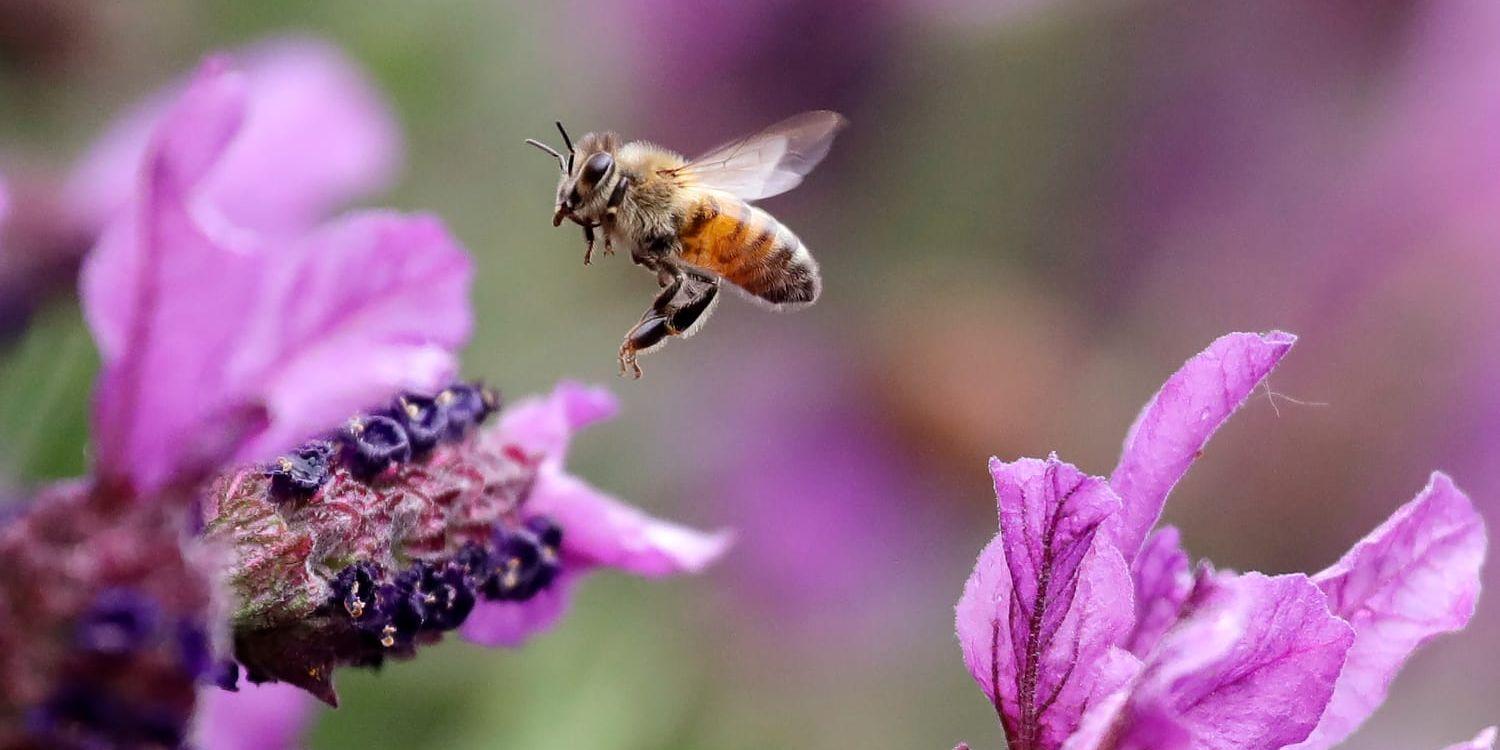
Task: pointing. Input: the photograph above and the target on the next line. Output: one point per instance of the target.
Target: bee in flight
(691, 222)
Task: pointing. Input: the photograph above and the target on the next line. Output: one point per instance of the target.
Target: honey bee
(691, 222)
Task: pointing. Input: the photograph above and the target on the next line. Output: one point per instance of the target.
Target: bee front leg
(588, 238)
(611, 210)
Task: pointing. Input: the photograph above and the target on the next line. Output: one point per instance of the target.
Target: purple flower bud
(372, 444)
(354, 590)
(424, 419)
(300, 475)
(467, 406)
(525, 563)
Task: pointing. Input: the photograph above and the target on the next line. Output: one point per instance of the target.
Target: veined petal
(600, 530)
(1177, 422)
(1141, 716)
(1483, 741)
(511, 624)
(1413, 578)
(1047, 601)
(271, 716)
(1163, 581)
(316, 135)
(219, 343)
(1267, 688)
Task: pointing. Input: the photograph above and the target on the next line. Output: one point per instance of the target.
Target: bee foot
(628, 366)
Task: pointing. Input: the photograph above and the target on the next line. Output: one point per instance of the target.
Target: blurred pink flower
(1070, 659)
(254, 717)
(314, 135)
(222, 342)
(599, 530)
(218, 344)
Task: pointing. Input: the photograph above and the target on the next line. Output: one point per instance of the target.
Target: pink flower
(314, 135)
(219, 341)
(1087, 633)
(225, 339)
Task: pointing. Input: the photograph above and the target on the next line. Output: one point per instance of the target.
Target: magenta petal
(600, 530)
(1046, 602)
(217, 342)
(1145, 715)
(544, 426)
(316, 135)
(1483, 741)
(1415, 577)
(1269, 688)
(366, 306)
(272, 716)
(1171, 431)
(511, 624)
(1163, 580)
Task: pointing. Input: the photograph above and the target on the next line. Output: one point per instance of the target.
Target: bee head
(588, 172)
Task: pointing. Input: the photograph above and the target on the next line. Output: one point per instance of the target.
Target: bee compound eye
(596, 167)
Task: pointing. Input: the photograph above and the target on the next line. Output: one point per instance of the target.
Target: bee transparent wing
(770, 162)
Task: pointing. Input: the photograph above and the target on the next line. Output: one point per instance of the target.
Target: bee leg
(685, 320)
(658, 322)
(648, 334)
(611, 209)
(671, 283)
(588, 238)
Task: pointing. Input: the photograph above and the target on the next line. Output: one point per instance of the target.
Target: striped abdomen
(750, 249)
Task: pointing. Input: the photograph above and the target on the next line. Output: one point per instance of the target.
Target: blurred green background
(1039, 210)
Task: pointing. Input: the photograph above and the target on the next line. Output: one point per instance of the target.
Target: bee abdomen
(750, 249)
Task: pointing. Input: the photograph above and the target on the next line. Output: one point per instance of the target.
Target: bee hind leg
(664, 319)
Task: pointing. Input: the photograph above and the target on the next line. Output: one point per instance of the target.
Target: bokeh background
(1040, 210)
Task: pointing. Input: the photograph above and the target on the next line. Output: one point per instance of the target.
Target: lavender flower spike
(1212, 661)
(353, 550)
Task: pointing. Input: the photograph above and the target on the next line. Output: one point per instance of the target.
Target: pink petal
(1046, 602)
(1268, 688)
(544, 426)
(1163, 580)
(217, 342)
(1171, 431)
(365, 306)
(600, 530)
(316, 136)
(272, 716)
(1414, 578)
(511, 624)
(1483, 741)
(1140, 716)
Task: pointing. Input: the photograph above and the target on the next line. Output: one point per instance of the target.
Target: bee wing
(770, 162)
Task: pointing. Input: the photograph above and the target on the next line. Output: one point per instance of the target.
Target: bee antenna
(560, 163)
(569, 143)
